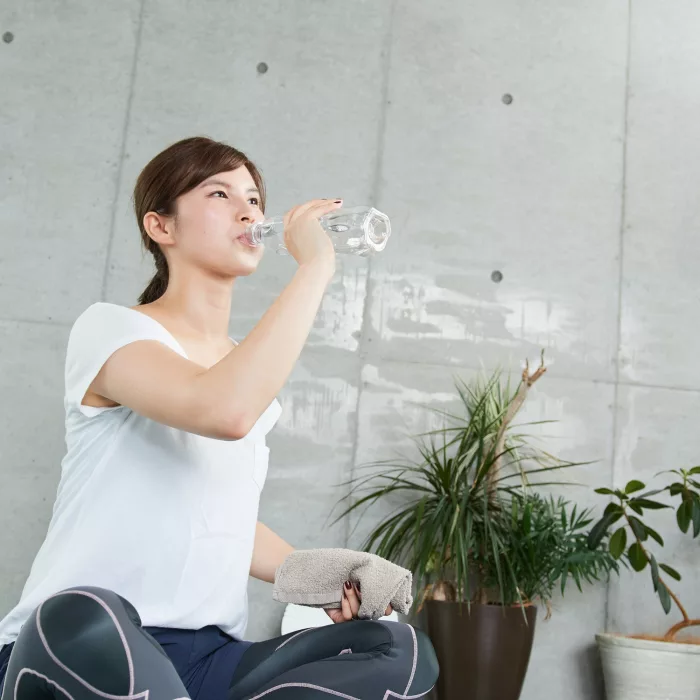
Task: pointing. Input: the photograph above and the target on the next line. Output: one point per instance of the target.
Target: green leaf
(665, 599)
(597, 533)
(605, 492)
(613, 509)
(636, 556)
(684, 514)
(618, 542)
(527, 518)
(654, 573)
(634, 485)
(649, 504)
(655, 535)
(419, 517)
(614, 517)
(667, 471)
(637, 509)
(696, 517)
(671, 572)
(675, 489)
(653, 492)
(695, 470)
(638, 528)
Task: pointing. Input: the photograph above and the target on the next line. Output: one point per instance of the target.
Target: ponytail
(157, 286)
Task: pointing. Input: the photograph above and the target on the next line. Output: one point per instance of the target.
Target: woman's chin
(246, 265)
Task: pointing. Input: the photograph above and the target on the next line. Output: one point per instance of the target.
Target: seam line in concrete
(120, 166)
(621, 269)
(38, 322)
(455, 369)
(369, 286)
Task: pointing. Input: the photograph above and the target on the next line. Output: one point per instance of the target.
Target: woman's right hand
(304, 237)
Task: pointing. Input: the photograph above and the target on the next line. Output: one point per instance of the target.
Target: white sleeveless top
(163, 517)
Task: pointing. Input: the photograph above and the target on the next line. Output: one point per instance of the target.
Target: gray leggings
(87, 644)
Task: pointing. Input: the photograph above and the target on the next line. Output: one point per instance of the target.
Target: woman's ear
(159, 227)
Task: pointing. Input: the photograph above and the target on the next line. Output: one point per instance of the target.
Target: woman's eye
(254, 201)
(221, 192)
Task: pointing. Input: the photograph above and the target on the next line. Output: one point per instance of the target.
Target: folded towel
(315, 577)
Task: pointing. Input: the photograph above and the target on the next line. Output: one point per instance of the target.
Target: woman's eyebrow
(221, 183)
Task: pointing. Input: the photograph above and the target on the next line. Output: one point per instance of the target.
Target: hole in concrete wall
(507, 99)
(8, 37)
(496, 276)
(262, 68)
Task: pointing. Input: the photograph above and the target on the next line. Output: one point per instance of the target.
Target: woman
(139, 589)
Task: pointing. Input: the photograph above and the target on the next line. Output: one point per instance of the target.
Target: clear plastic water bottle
(355, 231)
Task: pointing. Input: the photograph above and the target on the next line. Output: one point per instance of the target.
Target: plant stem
(686, 622)
(678, 627)
(686, 619)
(513, 407)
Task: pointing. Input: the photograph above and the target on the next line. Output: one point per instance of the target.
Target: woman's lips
(244, 239)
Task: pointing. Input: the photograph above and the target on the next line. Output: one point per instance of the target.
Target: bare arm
(225, 401)
(269, 551)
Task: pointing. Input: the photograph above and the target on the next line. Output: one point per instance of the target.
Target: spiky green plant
(545, 543)
(471, 522)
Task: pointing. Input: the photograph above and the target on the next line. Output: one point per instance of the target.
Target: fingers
(346, 609)
(325, 208)
(297, 211)
(350, 604)
(335, 615)
(288, 216)
(353, 597)
(317, 207)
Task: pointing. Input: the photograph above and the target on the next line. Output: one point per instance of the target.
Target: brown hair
(174, 172)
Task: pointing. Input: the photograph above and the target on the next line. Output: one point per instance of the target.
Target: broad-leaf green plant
(633, 538)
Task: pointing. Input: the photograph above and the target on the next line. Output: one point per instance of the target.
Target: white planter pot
(639, 669)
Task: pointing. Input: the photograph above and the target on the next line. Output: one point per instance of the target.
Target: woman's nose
(246, 214)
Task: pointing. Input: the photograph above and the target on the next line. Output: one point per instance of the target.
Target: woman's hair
(173, 172)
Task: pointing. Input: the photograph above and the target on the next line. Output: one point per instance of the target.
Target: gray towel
(315, 578)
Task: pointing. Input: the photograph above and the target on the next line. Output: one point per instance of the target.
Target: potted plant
(483, 544)
(644, 666)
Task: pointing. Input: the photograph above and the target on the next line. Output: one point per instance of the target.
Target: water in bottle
(355, 231)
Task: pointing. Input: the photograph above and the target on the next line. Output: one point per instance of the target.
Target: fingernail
(357, 585)
(348, 585)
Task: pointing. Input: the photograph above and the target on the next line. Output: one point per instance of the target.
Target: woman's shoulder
(103, 322)
(104, 308)
(94, 317)
(102, 312)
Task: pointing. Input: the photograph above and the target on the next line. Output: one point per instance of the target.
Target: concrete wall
(580, 191)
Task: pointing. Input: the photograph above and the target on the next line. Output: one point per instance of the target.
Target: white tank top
(163, 517)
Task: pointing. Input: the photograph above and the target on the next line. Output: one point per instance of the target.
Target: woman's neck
(200, 312)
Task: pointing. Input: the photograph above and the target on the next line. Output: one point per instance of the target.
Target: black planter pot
(483, 652)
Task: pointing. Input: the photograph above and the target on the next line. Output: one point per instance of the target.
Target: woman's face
(211, 219)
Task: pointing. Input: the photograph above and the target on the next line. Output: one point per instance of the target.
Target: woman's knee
(83, 627)
(74, 610)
